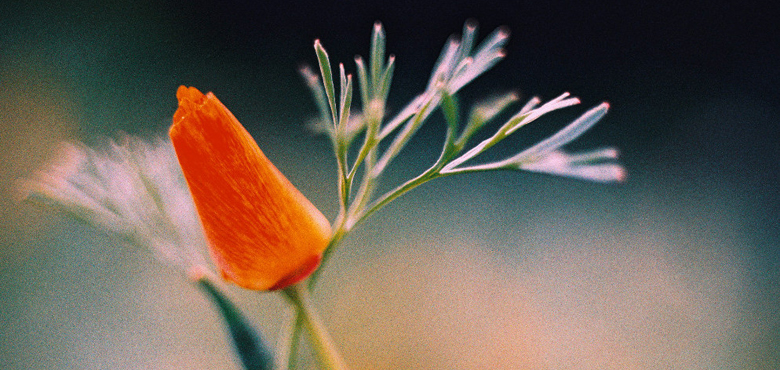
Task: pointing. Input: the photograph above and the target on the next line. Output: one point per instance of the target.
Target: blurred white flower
(132, 189)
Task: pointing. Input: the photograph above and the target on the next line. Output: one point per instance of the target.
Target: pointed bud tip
(188, 93)
(189, 99)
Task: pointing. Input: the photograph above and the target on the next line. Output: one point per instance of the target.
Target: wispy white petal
(531, 115)
(565, 135)
(563, 164)
(133, 190)
(489, 52)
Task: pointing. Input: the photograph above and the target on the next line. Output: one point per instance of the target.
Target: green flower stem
(290, 342)
(392, 195)
(303, 317)
(399, 142)
(338, 234)
(246, 341)
(329, 357)
(291, 338)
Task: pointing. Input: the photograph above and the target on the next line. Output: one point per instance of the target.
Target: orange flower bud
(262, 232)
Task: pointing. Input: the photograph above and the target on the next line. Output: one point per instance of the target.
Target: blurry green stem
(288, 347)
(247, 343)
(329, 357)
(287, 356)
(338, 233)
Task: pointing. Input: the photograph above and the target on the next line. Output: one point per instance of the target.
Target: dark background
(693, 234)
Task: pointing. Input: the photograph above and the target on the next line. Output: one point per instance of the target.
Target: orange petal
(262, 232)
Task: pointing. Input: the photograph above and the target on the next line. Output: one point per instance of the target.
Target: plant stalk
(321, 340)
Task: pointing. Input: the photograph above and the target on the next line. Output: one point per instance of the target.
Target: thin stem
(289, 346)
(247, 343)
(292, 338)
(290, 343)
(329, 357)
(395, 193)
(343, 182)
(338, 234)
(411, 127)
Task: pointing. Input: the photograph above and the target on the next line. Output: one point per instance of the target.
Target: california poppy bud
(263, 233)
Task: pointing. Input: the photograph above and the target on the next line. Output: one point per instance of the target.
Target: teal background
(676, 268)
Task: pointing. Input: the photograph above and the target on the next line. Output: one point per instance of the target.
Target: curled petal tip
(189, 99)
(188, 95)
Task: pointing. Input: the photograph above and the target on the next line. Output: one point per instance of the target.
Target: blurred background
(679, 267)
